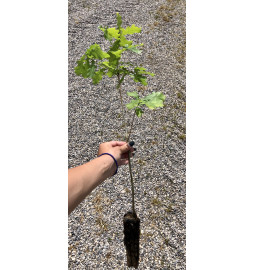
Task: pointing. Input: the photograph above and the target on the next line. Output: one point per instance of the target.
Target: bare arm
(83, 179)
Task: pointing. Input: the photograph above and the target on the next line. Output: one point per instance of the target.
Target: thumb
(126, 147)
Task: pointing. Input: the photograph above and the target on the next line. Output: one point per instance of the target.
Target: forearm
(83, 179)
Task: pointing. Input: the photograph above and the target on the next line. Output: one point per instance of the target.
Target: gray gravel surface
(95, 229)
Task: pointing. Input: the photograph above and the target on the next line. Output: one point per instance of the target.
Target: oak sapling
(95, 64)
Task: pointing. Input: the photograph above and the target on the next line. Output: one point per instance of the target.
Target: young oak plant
(96, 63)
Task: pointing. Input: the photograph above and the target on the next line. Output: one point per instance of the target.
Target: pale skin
(83, 179)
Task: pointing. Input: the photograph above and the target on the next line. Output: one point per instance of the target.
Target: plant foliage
(152, 101)
(96, 63)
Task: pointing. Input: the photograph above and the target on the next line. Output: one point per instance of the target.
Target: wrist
(110, 166)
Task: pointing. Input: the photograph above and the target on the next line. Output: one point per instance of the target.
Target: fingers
(119, 149)
(123, 162)
(127, 147)
(125, 155)
(117, 143)
(126, 150)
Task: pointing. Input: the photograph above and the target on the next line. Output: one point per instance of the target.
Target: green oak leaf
(143, 81)
(92, 69)
(124, 41)
(149, 73)
(139, 75)
(115, 33)
(119, 20)
(113, 60)
(138, 112)
(95, 52)
(110, 33)
(124, 70)
(133, 49)
(117, 53)
(97, 76)
(142, 70)
(139, 78)
(131, 30)
(85, 68)
(154, 100)
(110, 73)
(106, 34)
(106, 64)
(102, 28)
(82, 67)
(115, 46)
(134, 103)
(133, 94)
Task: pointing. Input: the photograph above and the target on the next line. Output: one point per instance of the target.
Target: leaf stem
(131, 127)
(121, 102)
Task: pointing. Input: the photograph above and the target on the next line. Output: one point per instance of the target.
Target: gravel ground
(95, 228)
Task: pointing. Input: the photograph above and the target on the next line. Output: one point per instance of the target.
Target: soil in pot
(131, 238)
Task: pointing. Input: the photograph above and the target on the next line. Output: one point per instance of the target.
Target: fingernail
(131, 143)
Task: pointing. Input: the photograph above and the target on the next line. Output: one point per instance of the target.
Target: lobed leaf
(124, 41)
(140, 78)
(133, 94)
(139, 69)
(154, 100)
(97, 76)
(92, 69)
(82, 67)
(117, 53)
(110, 73)
(114, 33)
(115, 46)
(134, 103)
(106, 34)
(95, 52)
(149, 73)
(133, 49)
(107, 65)
(142, 70)
(119, 20)
(113, 60)
(131, 30)
(138, 112)
(85, 68)
(124, 69)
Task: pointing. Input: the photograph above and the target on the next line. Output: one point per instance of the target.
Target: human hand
(118, 149)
